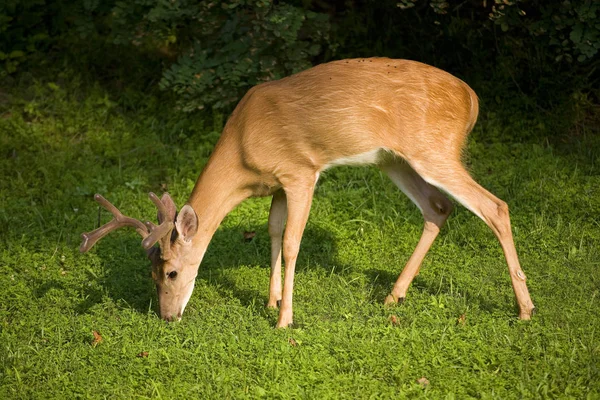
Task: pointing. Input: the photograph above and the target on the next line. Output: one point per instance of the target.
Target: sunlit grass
(458, 328)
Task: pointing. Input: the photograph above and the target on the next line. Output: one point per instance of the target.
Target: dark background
(523, 57)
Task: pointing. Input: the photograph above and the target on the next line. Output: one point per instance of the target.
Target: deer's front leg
(277, 217)
(299, 200)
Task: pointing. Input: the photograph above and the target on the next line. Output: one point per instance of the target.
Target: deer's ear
(187, 223)
(171, 209)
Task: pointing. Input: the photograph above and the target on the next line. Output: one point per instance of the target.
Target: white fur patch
(188, 295)
(369, 158)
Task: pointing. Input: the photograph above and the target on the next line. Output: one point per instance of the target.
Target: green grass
(63, 140)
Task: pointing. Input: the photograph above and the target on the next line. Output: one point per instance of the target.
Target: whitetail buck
(409, 119)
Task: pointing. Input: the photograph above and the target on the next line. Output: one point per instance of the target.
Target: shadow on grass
(384, 280)
(127, 276)
(229, 251)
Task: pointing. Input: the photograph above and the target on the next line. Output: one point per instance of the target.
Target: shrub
(211, 52)
(222, 48)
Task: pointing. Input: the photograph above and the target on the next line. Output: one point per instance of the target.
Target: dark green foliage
(239, 45)
(216, 50)
(22, 32)
(541, 50)
(569, 29)
(209, 53)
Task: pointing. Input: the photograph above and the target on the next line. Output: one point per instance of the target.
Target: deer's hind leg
(434, 206)
(452, 177)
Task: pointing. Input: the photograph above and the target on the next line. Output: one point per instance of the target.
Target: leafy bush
(569, 29)
(222, 48)
(211, 52)
(31, 29)
(214, 51)
(544, 50)
(20, 32)
(250, 47)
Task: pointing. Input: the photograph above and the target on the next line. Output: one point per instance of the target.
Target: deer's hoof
(283, 325)
(274, 304)
(525, 315)
(389, 300)
(392, 300)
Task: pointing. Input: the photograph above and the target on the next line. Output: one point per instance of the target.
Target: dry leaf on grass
(248, 236)
(462, 319)
(97, 339)
(143, 354)
(293, 342)
(423, 381)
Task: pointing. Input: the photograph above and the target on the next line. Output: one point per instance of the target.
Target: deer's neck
(222, 185)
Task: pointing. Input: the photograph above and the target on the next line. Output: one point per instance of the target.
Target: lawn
(85, 326)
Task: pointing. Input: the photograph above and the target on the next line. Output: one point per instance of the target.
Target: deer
(407, 118)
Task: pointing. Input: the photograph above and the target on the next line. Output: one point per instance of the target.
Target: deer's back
(351, 107)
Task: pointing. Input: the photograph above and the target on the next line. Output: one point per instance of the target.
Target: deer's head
(174, 261)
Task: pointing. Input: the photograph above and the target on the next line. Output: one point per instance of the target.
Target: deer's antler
(161, 232)
(150, 232)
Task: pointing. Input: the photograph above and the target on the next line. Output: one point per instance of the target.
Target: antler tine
(160, 232)
(162, 209)
(119, 220)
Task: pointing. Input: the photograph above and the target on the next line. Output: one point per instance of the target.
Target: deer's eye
(172, 274)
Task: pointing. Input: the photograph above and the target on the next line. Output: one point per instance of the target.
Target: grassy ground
(63, 140)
